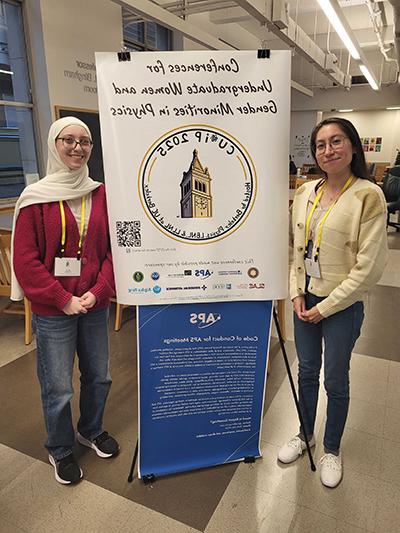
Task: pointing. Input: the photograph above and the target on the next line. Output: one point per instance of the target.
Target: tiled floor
(242, 498)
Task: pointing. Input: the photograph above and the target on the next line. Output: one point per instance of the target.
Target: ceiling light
(334, 19)
(371, 80)
(394, 107)
(345, 110)
(6, 72)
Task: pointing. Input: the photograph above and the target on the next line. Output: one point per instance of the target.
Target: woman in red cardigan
(62, 263)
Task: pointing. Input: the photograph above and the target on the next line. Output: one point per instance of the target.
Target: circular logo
(197, 184)
(253, 272)
(138, 276)
(155, 276)
(157, 289)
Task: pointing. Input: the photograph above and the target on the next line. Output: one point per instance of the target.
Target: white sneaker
(293, 449)
(331, 470)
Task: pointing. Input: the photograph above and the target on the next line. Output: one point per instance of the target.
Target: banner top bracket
(124, 55)
(263, 53)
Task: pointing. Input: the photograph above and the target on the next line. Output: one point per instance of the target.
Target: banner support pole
(130, 477)
(296, 401)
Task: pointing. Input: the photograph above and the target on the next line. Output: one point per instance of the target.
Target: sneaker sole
(304, 452)
(90, 444)
(331, 486)
(60, 480)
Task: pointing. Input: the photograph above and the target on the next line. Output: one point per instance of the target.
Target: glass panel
(14, 83)
(133, 31)
(17, 150)
(151, 34)
(148, 34)
(163, 41)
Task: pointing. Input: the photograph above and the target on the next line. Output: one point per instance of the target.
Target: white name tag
(312, 268)
(67, 266)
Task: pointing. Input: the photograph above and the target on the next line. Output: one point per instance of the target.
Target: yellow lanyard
(321, 224)
(64, 226)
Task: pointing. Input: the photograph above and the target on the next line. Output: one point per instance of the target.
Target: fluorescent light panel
(334, 19)
(369, 77)
(393, 107)
(6, 72)
(345, 110)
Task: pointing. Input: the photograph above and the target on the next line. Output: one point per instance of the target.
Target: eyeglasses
(335, 143)
(71, 142)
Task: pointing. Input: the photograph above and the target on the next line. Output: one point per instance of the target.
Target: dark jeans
(58, 337)
(339, 333)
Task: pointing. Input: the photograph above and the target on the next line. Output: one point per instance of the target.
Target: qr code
(128, 233)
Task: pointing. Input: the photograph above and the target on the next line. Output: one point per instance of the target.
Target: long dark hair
(358, 164)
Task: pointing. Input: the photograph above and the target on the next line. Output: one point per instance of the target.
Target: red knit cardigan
(37, 241)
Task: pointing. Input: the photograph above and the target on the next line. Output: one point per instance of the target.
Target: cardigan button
(299, 289)
(300, 248)
(299, 269)
(300, 225)
(84, 260)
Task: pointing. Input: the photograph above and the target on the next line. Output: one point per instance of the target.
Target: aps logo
(204, 320)
(203, 273)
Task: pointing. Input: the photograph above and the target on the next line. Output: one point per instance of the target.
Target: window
(18, 162)
(144, 35)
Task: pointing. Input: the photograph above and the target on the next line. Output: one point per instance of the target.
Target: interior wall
(72, 32)
(359, 98)
(62, 39)
(373, 124)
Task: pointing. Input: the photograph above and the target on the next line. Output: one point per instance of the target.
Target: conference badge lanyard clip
(312, 263)
(69, 266)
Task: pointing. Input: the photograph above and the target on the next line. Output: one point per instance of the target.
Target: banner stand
(151, 478)
(130, 476)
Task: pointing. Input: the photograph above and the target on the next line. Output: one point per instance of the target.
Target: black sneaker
(66, 470)
(104, 445)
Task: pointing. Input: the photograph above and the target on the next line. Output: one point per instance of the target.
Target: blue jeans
(339, 333)
(58, 338)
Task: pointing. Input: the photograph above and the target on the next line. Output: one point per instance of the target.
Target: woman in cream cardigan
(340, 250)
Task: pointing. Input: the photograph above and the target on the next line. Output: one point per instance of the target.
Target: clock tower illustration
(196, 199)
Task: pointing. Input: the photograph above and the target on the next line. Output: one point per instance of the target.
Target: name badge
(312, 268)
(67, 266)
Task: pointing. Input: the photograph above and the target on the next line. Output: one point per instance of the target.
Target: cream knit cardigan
(353, 250)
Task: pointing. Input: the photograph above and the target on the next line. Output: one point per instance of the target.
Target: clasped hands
(80, 304)
(312, 315)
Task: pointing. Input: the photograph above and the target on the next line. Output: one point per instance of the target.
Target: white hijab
(60, 183)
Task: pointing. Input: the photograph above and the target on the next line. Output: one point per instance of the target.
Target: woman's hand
(74, 307)
(299, 306)
(88, 300)
(313, 315)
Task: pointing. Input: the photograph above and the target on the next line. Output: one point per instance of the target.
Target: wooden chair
(118, 314)
(292, 181)
(12, 308)
(300, 182)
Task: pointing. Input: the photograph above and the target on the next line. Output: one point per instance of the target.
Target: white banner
(196, 149)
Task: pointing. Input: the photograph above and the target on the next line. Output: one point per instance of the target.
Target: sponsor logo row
(216, 286)
(252, 272)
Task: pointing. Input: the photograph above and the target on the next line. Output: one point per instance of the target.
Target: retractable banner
(196, 150)
(202, 374)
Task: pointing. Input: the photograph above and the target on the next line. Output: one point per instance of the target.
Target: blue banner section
(202, 375)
